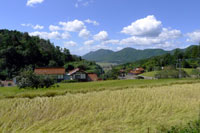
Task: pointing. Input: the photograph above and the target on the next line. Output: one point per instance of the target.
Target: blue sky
(88, 25)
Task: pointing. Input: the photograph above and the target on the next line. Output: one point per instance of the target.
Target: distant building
(7, 83)
(80, 75)
(77, 74)
(58, 73)
(137, 71)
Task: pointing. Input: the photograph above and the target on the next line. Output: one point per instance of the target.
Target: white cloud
(35, 27)
(134, 40)
(54, 28)
(51, 35)
(148, 26)
(38, 27)
(65, 35)
(89, 42)
(70, 44)
(46, 35)
(92, 22)
(87, 48)
(163, 40)
(84, 33)
(101, 36)
(73, 26)
(193, 37)
(119, 48)
(111, 42)
(170, 34)
(83, 3)
(33, 2)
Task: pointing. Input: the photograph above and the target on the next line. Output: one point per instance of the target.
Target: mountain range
(123, 56)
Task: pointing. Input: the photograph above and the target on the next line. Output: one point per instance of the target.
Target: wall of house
(79, 75)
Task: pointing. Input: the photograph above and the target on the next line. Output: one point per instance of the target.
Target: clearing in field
(134, 109)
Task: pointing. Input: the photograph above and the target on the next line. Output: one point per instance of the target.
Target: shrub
(1, 84)
(28, 79)
(9, 84)
(196, 73)
(171, 73)
(192, 127)
(69, 81)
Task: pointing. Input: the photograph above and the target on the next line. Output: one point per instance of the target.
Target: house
(92, 77)
(80, 75)
(122, 73)
(58, 73)
(77, 74)
(137, 71)
(7, 83)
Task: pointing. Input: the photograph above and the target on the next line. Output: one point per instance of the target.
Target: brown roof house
(137, 71)
(58, 73)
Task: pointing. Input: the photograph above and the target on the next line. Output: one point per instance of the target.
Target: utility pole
(180, 76)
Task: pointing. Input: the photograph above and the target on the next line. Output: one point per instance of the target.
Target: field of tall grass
(74, 88)
(131, 110)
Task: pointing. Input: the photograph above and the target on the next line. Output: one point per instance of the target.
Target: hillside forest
(19, 51)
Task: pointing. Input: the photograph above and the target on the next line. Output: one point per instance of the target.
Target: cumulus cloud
(33, 2)
(70, 44)
(65, 35)
(101, 36)
(169, 34)
(164, 38)
(193, 37)
(83, 3)
(89, 42)
(73, 26)
(84, 33)
(54, 28)
(51, 35)
(92, 22)
(111, 42)
(148, 26)
(35, 27)
(149, 32)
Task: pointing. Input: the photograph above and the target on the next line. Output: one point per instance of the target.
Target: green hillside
(123, 56)
(19, 51)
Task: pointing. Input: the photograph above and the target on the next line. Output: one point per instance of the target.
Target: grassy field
(14, 92)
(188, 70)
(121, 106)
(149, 74)
(153, 73)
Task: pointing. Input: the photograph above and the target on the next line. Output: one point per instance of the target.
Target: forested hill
(19, 51)
(188, 58)
(123, 56)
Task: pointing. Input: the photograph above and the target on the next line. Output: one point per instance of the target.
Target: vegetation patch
(130, 110)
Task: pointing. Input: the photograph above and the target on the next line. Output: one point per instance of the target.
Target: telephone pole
(180, 76)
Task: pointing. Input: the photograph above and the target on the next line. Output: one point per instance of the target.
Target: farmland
(110, 106)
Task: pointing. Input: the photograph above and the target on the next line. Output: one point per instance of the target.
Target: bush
(9, 84)
(196, 73)
(192, 127)
(28, 79)
(69, 81)
(1, 84)
(173, 73)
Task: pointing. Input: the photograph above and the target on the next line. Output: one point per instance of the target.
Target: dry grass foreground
(131, 110)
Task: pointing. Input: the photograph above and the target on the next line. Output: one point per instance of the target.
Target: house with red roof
(58, 73)
(137, 71)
